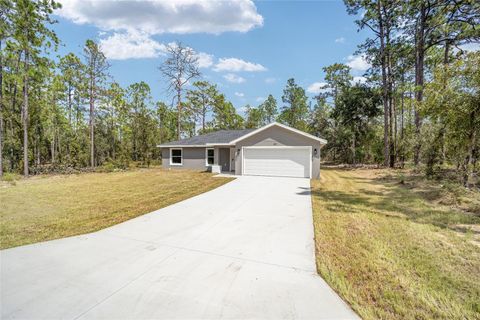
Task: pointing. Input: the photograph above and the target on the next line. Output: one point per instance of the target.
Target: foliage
(224, 115)
(201, 99)
(295, 112)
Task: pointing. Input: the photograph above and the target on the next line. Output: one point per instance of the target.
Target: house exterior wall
(277, 136)
(193, 158)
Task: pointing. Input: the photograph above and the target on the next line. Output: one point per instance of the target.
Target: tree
(269, 108)
(320, 118)
(357, 105)
(178, 69)
(225, 116)
(201, 99)
(380, 17)
(457, 102)
(264, 114)
(96, 68)
(337, 76)
(295, 113)
(31, 36)
(5, 31)
(431, 23)
(116, 117)
(255, 117)
(72, 71)
(139, 102)
(167, 120)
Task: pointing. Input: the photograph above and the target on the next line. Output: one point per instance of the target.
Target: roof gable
(254, 132)
(233, 136)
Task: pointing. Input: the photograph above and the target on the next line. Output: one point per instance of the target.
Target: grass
(393, 249)
(50, 207)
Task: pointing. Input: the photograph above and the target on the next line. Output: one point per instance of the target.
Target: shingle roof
(221, 136)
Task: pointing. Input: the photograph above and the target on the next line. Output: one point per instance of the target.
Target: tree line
(418, 102)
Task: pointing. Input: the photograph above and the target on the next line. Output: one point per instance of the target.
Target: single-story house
(272, 150)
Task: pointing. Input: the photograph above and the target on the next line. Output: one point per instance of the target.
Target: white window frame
(206, 157)
(181, 157)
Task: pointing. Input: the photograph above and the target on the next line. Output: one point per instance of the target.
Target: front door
(224, 158)
(232, 159)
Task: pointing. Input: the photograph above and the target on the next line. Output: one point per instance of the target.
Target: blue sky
(262, 44)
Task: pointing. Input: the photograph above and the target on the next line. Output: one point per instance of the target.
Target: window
(210, 156)
(176, 157)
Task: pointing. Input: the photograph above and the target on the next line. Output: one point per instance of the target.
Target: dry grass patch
(391, 252)
(50, 207)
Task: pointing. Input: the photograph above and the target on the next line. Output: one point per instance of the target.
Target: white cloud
(131, 24)
(120, 46)
(270, 80)
(230, 77)
(316, 87)
(340, 40)
(239, 94)
(137, 45)
(260, 99)
(236, 65)
(205, 60)
(359, 79)
(358, 63)
(164, 16)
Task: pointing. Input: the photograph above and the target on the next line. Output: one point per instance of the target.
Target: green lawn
(397, 250)
(50, 207)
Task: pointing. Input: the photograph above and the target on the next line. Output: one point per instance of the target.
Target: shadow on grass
(395, 201)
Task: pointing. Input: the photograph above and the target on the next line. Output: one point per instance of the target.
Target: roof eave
(220, 144)
(181, 146)
(195, 145)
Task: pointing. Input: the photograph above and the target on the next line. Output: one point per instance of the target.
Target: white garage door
(277, 161)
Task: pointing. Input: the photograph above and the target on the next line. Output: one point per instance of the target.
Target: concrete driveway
(242, 251)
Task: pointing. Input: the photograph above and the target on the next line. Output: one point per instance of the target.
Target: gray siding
(193, 158)
(276, 136)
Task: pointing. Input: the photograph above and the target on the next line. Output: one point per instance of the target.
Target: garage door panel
(287, 162)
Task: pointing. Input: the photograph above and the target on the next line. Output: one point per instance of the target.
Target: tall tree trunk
(393, 127)
(25, 116)
(1, 137)
(38, 150)
(442, 125)
(419, 77)
(179, 112)
(70, 104)
(402, 116)
(354, 148)
(113, 134)
(92, 120)
(11, 153)
(52, 149)
(1, 110)
(471, 150)
(391, 111)
(386, 147)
